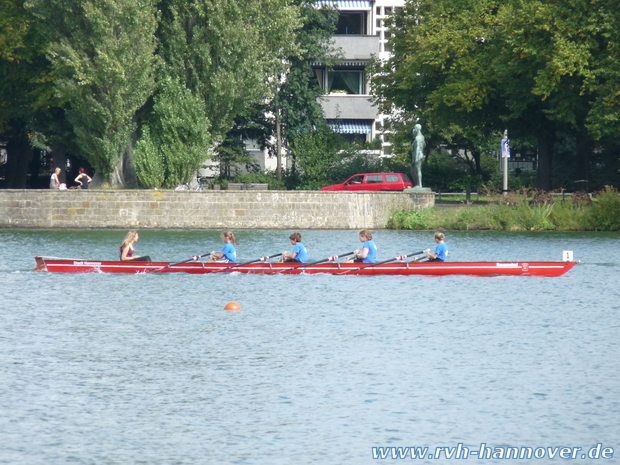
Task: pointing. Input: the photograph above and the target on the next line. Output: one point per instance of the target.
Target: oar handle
(193, 259)
(328, 259)
(333, 258)
(398, 257)
(261, 259)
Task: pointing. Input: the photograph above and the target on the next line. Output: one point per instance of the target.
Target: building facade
(360, 35)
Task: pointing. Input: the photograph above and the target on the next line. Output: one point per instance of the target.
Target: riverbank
(153, 209)
(516, 212)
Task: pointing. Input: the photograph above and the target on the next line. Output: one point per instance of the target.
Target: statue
(417, 154)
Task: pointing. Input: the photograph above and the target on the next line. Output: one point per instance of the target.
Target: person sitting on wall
(83, 179)
(55, 180)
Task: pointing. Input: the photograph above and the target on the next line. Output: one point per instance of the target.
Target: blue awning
(347, 4)
(345, 63)
(351, 126)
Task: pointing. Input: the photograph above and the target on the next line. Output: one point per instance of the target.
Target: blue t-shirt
(442, 251)
(372, 252)
(230, 253)
(300, 250)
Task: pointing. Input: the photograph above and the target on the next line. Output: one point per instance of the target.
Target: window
(351, 22)
(356, 180)
(392, 178)
(354, 138)
(374, 178)
(346, 82)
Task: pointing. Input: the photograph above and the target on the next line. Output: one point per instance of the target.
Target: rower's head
(229, 236)
(365, 235)
(130, 238)
(439, 236)
(295, 237)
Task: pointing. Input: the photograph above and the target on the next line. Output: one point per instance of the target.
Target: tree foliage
(174, 139)
(102, 53)
(468, 69)
(175, 73)
(295, 90)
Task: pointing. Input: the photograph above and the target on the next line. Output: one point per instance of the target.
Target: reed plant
(520, 212)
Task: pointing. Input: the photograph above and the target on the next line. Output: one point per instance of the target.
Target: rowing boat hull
(396, 268)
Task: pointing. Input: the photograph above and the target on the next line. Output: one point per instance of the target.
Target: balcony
(347, 106)
(356, 47)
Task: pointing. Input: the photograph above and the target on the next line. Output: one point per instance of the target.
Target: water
(149, 369)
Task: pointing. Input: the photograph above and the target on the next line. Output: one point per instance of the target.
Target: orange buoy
(233, 306)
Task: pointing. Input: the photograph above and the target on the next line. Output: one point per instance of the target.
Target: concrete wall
(356, 47)
(343, 106)
(203, 210)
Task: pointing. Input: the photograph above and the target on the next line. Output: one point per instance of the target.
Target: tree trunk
(546, 145)
(124, 174)
(582, 161)
(19, 154)
(278, 146)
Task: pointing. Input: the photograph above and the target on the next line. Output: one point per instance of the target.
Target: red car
(373, 182)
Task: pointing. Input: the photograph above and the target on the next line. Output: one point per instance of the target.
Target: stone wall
(204, 210)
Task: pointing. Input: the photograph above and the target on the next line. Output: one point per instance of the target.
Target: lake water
(317, 369)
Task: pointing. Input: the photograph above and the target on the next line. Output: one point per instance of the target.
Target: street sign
(505, 148)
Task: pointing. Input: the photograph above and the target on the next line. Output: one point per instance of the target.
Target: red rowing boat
(59, 265)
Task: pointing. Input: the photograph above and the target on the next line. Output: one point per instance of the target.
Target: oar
(262, 259)
(400, 257)
(193, 259)
(328, 259)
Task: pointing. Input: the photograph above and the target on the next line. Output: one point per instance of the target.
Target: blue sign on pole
(505, 148)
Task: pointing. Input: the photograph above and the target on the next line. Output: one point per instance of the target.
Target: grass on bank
(520, 212)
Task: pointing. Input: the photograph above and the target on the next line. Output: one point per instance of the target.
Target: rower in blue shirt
(299, 253)
(228, 253)
(441, 249)
(368, 253)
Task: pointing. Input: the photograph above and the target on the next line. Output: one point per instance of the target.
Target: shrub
(408, 220)
(606, 210)
(269, 178)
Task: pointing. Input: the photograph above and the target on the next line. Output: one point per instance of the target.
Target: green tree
(26, 101)
(102, 54)
(294, 108)
(223, 53)
(174, 138)
(297, 100)
(471, 68)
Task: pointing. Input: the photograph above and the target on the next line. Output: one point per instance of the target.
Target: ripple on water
(314, 369)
